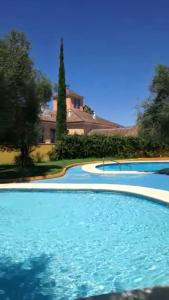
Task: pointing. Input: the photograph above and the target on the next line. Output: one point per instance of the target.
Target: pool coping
(152, 193)
(92, 167)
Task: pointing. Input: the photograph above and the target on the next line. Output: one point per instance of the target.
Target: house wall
(40, 153)
(46, 129)
(84, 127)
(76, 131)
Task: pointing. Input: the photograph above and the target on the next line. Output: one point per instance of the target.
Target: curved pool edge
(93, 168)
(154, 194)
(83, 164)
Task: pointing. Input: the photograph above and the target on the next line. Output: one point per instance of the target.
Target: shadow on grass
(11, 172)
(26, 281)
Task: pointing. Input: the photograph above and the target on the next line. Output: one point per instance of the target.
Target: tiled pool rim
(93, 167)
(154, 194)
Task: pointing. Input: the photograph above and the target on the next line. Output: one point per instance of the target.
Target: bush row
(83, 146)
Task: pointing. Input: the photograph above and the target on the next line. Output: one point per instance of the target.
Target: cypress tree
(61, 125)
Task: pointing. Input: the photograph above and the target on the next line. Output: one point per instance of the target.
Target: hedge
(83, 146)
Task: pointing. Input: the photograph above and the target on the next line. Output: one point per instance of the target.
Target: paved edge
(92, 168)
(154, 194)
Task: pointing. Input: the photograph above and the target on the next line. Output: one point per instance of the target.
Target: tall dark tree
(61, 125)
(22, 92)
(153, 118)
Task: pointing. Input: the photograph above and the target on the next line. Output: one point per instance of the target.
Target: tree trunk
(24, 155)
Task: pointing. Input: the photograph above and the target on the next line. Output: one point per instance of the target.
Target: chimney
(54, 104)
(69, 113)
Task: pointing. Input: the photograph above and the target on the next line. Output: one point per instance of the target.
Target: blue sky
(111, 47)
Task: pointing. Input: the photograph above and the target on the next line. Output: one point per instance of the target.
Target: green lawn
(9, 171)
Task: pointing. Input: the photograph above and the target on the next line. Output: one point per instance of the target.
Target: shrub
(82, 146)
(77, 146)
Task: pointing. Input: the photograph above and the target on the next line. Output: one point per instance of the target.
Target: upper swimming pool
(78, 175)
(134, 166)
(67, 245)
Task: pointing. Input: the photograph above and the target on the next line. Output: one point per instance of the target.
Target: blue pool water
(77, 175)
(66, 245)
(134, 166)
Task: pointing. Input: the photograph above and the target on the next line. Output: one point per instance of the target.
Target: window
(41, 136)
(77, 103)
(52, 135)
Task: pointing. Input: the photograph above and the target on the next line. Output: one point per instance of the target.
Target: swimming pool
(66, 245)
(134, 166)
(78, 175)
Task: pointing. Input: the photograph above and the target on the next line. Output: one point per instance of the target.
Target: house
(78, 121)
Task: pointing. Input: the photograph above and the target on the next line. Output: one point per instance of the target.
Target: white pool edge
(156, 194)
(92, 168)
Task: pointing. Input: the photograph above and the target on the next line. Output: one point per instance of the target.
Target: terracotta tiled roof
(70, 93)
(76, 115)
(123, 131)
(81, 116)
(48, 115)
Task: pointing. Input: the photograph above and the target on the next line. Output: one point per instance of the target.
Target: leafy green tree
(22, 92)
(153, 118)
(61, 125)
